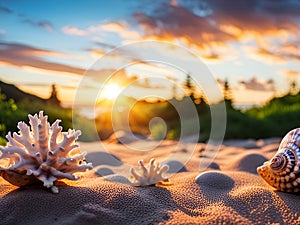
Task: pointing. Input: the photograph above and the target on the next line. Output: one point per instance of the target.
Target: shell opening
(278, 162)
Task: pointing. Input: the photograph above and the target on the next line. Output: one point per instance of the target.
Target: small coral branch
(149, 176)
(42, 153)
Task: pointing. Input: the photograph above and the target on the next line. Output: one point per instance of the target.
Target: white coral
(149, 176)
(42, 153)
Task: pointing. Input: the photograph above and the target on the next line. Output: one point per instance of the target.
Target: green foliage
(173, 134)
(53, 111)
(2, 141)
(15, 106)
(158, 131)
(11, 113)
(274, 119)
(87, 127)
(240, 125)
(278, 116)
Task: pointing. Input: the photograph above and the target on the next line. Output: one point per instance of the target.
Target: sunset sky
(255, 44)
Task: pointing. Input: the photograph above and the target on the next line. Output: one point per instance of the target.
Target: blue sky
(252, 43)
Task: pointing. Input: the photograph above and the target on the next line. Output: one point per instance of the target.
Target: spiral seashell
(282, 171)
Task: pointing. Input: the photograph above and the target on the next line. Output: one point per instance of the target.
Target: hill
(16, 104)
(12, 92)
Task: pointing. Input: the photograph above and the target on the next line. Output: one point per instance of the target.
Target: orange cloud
(74, 31)
(263, 55)
(96, 53)
(273, 52)
(290, 73)
(122, 29)
(20, 55)
(219, 22)
(179, 22)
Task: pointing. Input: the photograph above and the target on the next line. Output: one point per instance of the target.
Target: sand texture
(229, 191)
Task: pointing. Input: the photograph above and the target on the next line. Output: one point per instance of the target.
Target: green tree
(192, 91)
(227, 93)
(189, 86)
(53, 99)
(293, 87)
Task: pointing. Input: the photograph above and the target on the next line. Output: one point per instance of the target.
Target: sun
(111, 91)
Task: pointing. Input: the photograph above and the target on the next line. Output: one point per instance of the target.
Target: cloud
(42, 24)
(101, 49)
(74, 31)
(257, 84)
(290, 73)
(210, 27)
(179, 22)
(25, 19)
(96, 52)
(259, 16)
(110, 56)
(2, 31)
(146, 82)
(105, 45)
(122, 29)
(6, 10)
(281, 7)
(264, 55)
(215, 52)
(20, 55)
(122, 78)
(275, 51)
(108, 76)
(206, 24)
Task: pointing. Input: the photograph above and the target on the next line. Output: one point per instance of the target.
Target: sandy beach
(229, 191)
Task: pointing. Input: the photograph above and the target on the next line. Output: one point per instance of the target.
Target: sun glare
(111, 91)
